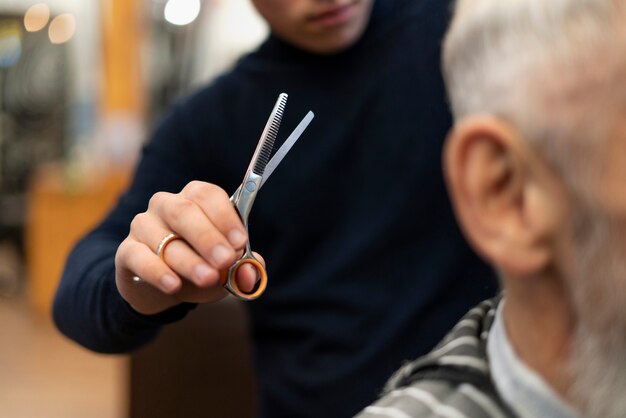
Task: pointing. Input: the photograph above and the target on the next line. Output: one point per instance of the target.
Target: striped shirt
(452, 381)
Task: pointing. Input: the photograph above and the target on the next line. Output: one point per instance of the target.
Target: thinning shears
(259, 170)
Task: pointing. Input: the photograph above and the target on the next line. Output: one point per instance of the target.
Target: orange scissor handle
(230, 284)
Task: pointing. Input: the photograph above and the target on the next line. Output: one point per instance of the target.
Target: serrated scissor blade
(266, 144)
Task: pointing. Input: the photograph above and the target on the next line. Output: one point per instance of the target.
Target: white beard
(598, 357)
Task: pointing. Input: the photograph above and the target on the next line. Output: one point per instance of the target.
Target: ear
(505, 198)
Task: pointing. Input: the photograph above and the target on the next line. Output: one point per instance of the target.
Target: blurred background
(81, 84)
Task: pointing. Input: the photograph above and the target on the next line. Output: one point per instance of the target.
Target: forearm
(88, 306)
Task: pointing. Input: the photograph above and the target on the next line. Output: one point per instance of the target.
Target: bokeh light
(62, 28)
(181, 12)
(36, 17)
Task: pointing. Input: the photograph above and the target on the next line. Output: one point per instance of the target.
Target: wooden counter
(61, 207)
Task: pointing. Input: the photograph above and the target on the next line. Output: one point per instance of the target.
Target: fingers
(133, 256)
(186, 262)
(211, 240)
(153, 293)
(177, 254)
(160, 287)
(246, 277)
(204, 216)
(217, 206)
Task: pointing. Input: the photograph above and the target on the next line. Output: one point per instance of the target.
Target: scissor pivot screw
(250, 186)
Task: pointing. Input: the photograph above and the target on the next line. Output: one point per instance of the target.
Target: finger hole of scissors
(261, 279)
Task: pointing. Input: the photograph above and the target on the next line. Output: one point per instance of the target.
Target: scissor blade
(284, 149)
(266, 143)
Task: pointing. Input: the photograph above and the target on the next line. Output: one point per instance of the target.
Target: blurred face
(598, 286)
(319, 26)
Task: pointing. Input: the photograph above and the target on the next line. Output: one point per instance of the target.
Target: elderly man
(536, 167)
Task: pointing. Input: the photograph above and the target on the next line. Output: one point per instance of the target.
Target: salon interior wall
(45, 102)
(172, 61)
(82, 59)
(175, 59)
(230, 28)
(199, 51)
(127, 63)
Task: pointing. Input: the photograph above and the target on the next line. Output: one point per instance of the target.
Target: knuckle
(138, 222)
(198, 190)
(195, 189)
(217, 192)
(206, 239)
(158, 199)
(179, 209)
(227, 214)
(122, 250)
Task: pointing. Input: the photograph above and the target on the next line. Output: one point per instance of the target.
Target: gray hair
(551, 68)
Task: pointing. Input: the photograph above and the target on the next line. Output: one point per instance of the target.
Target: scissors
(259, 170)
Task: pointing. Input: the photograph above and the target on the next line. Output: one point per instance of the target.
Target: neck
(539, 324)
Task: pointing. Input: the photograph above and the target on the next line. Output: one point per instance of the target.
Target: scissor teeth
(270, 136)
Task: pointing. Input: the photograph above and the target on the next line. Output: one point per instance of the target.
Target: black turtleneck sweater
(366, 265)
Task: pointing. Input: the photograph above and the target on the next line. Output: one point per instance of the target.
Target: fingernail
(220, 254)
(236, 238)
(169, 282)
(203, 273)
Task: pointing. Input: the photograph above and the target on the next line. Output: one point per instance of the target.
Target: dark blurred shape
(199, 367)
(33, 100)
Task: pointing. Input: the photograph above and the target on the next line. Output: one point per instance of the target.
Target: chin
(337, 43)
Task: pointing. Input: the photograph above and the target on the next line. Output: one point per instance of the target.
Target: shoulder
(436, 398)
(453, 380)
(210, 107)
(233, 85)
(216, 95)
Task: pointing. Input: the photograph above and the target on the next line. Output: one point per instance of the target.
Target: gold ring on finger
(160, 250)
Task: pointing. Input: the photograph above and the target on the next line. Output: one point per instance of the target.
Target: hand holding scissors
(259, 170)
(182, 248)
